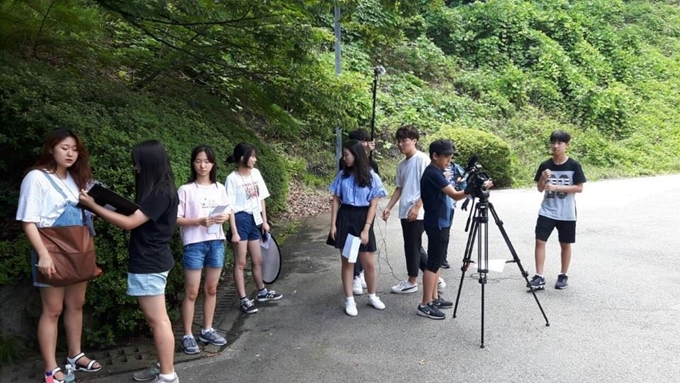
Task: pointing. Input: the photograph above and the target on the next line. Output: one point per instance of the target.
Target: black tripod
(480, 222)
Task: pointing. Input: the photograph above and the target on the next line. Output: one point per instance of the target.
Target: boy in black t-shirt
(559, 178)
(435, 191)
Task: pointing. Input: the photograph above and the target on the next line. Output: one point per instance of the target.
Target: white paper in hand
(351, 248)
(215, 228)
(264, 241)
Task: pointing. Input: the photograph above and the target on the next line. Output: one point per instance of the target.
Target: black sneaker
(536, 283)
(270, 296)
(442, 303)
(446, 265)
(430, 311)
(248, 306)
(562, 282)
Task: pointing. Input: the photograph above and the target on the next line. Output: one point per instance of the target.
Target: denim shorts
(203, 254)
(245, 224)
(143, 285)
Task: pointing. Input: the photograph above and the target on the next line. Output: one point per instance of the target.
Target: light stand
(377, 71)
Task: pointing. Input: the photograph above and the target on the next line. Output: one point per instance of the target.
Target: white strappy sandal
(89, 368)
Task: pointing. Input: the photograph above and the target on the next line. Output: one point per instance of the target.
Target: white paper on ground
(497, 265)
(351, 248)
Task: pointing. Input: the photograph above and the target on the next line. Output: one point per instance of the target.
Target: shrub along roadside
(110, 119)
(494, 154)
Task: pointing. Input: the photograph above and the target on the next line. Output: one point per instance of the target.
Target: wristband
(368, 223)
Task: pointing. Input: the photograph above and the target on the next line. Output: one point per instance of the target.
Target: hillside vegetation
(496, 76)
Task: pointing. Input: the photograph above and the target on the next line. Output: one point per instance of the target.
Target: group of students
(58, 182)
(427, 188)
(420, 178)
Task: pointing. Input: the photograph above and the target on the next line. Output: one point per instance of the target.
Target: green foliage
(12, 349)
(494, 154)
(110, 119)
(497, 76)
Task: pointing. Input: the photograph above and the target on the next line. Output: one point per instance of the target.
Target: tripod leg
(466, 260)
(482, 331)
(515, 258)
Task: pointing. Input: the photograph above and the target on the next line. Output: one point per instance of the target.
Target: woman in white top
(247, 191)
(203, 208)
(48, 197)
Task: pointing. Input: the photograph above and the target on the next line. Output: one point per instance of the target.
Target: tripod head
(476, 179)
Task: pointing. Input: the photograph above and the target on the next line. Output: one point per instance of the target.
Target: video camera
(475, 178)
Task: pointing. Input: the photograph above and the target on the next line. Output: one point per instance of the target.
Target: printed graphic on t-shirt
(208, 203)
(561, 179)
(251, 189)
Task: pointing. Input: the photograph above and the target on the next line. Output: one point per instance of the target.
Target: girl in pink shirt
(203, 208)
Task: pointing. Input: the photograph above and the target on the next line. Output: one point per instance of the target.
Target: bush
(494, 153)
(110, 119)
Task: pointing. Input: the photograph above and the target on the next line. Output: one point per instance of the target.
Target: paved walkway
(617, 321)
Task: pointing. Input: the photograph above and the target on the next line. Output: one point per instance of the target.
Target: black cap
(442, 147)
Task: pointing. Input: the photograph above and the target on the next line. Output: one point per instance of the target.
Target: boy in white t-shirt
(409, 171)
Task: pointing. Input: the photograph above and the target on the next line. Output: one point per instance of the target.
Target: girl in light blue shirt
(356, 191)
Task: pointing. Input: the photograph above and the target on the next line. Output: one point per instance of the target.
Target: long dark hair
(80, 170)
(153, 171)
(242, 153)
(361, 168)
(210, 153)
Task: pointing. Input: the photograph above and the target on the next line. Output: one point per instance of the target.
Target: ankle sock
(262, 292)
(372, 296)
(168, 376)
(349, 300)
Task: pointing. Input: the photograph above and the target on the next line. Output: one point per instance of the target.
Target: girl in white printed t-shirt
(247, 191)
(203, 208)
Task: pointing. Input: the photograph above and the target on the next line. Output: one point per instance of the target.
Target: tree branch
(42, 25)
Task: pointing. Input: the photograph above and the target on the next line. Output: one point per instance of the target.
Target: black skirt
(351, 220)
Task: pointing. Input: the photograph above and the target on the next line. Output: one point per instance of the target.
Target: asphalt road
(617, 321)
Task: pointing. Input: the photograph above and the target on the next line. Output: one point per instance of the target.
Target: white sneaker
(376, 302)
(441, 285)
(351, 309)
(356, 286)
(363, 281)
(405, 287)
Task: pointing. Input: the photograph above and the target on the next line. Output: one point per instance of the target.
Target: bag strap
(55, 185)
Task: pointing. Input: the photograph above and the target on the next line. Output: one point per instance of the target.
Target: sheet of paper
(218, 210)
(215, 228)
(351, 248)
(264, 242)
(497, 265)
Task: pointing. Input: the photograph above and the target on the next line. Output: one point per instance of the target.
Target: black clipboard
(110, 200)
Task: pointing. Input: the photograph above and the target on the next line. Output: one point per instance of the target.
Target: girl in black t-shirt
(152, 226)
